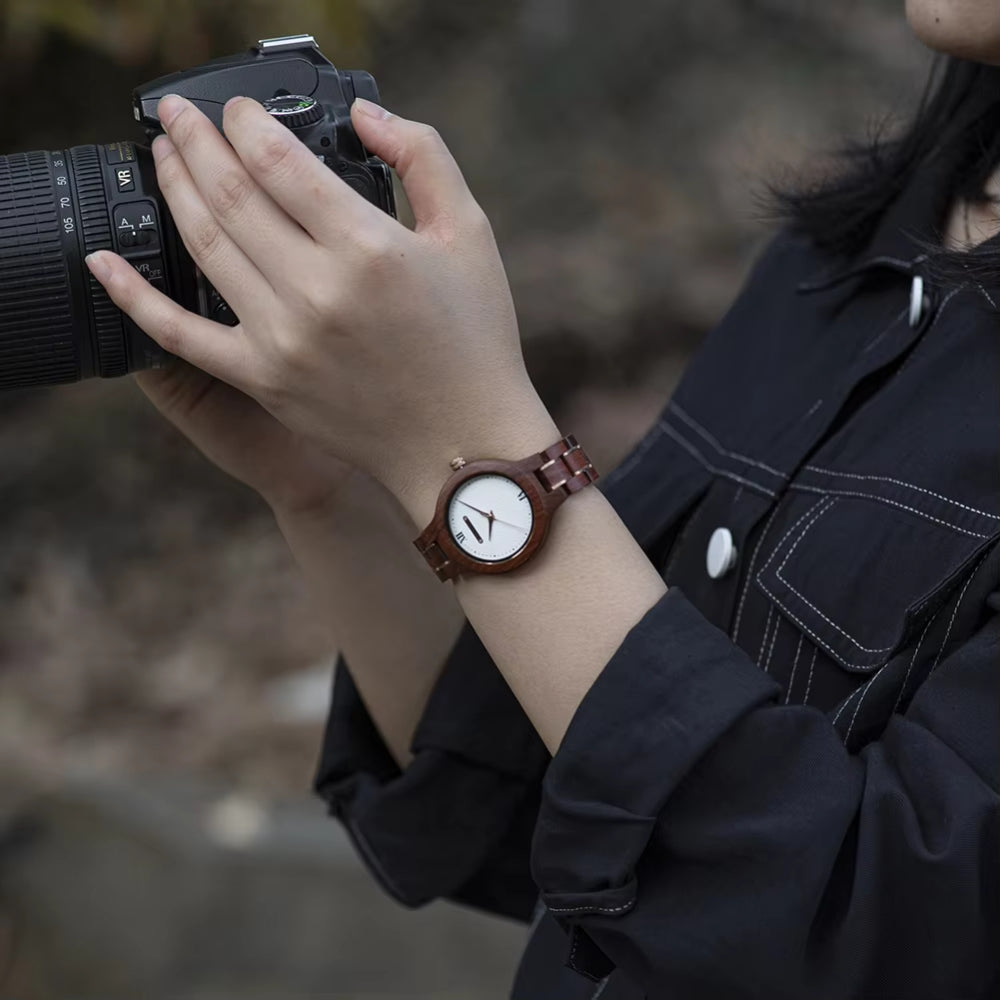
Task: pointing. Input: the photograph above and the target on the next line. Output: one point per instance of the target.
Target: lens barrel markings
(36, 314)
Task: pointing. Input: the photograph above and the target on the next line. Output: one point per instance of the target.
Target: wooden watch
(493, 516)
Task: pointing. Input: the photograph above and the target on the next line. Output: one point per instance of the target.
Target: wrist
(521, 431)
(314, 498)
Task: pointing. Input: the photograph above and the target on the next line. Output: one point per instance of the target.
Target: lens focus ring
(36, 314)
(95, 229)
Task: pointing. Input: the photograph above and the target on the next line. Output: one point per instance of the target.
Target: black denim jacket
(786, 782)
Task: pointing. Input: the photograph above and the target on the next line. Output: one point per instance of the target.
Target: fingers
(294, 177)
(229, 269)
(209, 346)
(177, 390)
(434, 184)
(236, 201)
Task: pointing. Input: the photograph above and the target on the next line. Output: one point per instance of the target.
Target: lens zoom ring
(36, 314)
(96, 230)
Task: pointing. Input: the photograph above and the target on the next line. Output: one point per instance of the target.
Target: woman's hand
(243, 439)
(392, 350)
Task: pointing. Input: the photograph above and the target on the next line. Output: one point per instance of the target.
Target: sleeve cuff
(668, 694)
(460, 805)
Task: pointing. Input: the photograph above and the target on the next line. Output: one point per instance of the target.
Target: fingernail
(99, 266)
(169, 108)
(370, 108)
(232, 100)
(162, 148)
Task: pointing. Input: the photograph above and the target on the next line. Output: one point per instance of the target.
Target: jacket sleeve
(457, 823)
(714, 843)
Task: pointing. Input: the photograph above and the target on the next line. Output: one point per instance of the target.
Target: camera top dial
(294, 110)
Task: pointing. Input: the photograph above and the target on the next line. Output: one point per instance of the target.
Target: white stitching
(944, 303)
(572, 951)
(767, 632)
(784, 537)
(861, 701)
(695, 426)
(592, 909)
(954, 613)
(900, 482)
(809, 683)
(676, 435)
(617, 475)
(746, 583)
(884, 331)
(802, 597)
(770, 652)
(913, 659)
(825, 503)
(795, 666)
(852, 695)
(989, 298)
(827, 491)
(805, 628)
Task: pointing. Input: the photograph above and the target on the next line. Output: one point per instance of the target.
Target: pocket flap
(858, 575)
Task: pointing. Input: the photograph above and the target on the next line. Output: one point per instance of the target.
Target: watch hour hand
(479, 537)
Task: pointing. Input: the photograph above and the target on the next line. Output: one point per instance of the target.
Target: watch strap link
(436, 558)
(565, 468)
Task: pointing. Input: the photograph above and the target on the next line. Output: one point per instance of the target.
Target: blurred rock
(118, 891)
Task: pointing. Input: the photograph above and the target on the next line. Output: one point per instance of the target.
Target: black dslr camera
(57, 323)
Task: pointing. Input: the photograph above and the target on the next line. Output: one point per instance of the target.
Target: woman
(736, 723)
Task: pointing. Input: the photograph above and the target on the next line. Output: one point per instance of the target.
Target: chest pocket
(859, 571)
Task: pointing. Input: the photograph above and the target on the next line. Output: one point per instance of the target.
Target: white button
(918, 301)
(721, 555)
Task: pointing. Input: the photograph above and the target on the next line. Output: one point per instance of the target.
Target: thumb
(430, 176)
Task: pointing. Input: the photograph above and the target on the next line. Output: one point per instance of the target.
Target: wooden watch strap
(565, 467)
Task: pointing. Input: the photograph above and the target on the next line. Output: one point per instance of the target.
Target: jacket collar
(919, 212)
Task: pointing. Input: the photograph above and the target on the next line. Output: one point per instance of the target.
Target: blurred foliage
(183, 31)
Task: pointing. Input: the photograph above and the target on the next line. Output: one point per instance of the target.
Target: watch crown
(458, 463)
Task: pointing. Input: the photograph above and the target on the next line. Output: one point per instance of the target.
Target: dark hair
(956, 125)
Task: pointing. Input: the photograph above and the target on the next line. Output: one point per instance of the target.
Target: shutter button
(722, 553)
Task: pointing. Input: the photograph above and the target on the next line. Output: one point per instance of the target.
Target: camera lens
(57, 323)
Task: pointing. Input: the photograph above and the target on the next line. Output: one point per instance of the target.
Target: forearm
(392, 620)
(553, 624)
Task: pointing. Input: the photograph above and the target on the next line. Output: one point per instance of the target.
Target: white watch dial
(490, 518)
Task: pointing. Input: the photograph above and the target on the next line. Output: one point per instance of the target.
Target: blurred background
(163, 677)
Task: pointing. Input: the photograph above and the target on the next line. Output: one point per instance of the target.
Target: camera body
(281, 68)
(57, 323)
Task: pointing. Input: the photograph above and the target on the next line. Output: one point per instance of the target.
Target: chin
(967, 29)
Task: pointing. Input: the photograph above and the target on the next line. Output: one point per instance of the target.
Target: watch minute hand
(476, 509)
(519, 527)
